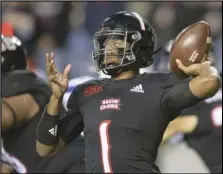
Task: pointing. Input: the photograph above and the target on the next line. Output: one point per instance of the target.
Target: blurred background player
(202, 126)
(17, 133)
(24, 97)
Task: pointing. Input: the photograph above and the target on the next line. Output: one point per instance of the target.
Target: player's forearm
(45, 150)
(206, 84)
(54, 106)
(47, 131)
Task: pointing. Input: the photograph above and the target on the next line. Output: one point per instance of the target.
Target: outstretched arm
(47, 131)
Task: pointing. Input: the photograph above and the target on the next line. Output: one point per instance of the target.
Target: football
(190, 46)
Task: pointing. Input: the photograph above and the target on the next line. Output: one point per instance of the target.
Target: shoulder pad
(22, 81)
(74, 83)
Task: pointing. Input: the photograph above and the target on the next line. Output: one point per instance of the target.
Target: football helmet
(13, 55)
(124, 40)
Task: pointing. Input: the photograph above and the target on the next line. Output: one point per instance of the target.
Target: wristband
(47, 132)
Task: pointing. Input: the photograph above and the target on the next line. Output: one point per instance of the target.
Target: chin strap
(113, 72)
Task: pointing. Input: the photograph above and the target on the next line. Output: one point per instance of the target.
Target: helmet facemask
(114, 48)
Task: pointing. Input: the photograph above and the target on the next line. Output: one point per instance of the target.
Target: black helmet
(137, 34)
(13, 54)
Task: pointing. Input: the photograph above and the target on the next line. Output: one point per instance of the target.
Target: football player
(123, 117)
(24, 97)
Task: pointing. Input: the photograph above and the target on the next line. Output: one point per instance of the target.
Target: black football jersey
(20, 142)
(206, 139)
(123, 120)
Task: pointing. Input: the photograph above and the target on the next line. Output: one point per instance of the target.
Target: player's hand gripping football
(57, 81)
(194, 69)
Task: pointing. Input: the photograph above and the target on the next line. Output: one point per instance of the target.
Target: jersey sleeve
(175, 97)
(71, 124)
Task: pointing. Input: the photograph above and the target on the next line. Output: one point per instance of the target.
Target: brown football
(190, 46)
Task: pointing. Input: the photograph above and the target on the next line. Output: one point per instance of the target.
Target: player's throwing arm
(185, 62)
(47, 137)
(206, 81)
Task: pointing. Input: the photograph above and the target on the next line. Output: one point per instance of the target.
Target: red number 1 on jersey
(105, 146)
